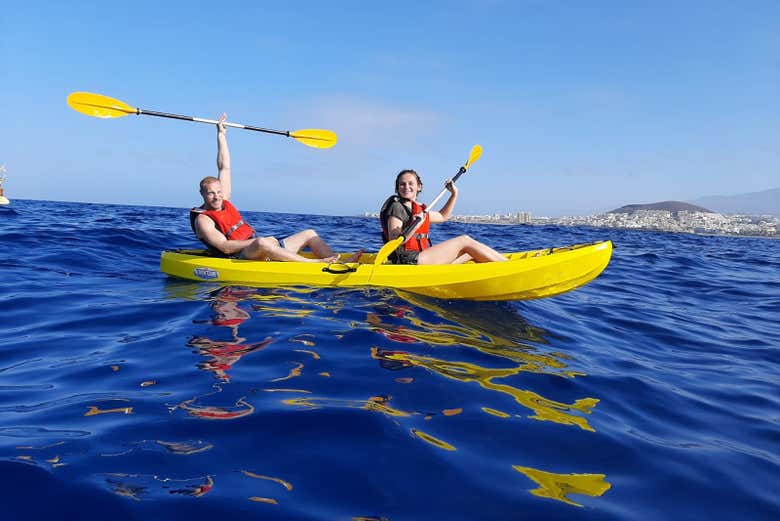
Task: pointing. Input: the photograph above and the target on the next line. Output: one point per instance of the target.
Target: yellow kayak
(527, 275)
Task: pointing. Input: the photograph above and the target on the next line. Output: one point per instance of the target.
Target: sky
(580, 107)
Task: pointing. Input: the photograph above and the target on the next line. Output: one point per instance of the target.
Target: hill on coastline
(766, 202)
(671, 206)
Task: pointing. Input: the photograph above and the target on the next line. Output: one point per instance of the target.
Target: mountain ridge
(671, 206)
(765, 202)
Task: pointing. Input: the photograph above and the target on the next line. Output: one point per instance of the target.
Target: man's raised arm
(223, 157)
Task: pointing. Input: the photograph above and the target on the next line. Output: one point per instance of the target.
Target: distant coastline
(667, 216)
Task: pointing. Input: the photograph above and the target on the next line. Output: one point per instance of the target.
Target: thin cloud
(361, 122)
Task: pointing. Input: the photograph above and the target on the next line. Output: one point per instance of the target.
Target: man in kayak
(218, 224)
(399, 210)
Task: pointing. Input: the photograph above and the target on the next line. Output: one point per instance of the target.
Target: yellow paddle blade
(385, 251)
(99, 106)
(476, 153)
(315, 138)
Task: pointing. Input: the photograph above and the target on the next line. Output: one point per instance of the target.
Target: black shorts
(404, 257)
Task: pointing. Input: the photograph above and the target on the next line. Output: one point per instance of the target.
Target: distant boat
(3, 199)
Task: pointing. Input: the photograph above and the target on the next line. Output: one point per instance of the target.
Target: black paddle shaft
(460, 173)
(200, 120)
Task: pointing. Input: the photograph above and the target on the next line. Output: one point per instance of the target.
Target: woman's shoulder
(392, 203)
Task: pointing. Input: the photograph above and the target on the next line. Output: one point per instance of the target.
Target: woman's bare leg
(462, 259)
(452, 250)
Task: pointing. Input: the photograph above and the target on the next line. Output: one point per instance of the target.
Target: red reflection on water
(223, 354)
(196, 490)
(226, 308)
(394, 333)
(214, 412)
(227, 313)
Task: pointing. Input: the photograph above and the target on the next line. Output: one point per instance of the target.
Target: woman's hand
(450, 185)
(221, 128)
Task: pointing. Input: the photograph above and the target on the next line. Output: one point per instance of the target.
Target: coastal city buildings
(658, 220)
(682, 221)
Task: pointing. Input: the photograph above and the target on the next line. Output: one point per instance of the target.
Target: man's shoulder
(200, 219)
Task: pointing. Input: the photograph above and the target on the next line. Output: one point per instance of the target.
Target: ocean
(651, 393)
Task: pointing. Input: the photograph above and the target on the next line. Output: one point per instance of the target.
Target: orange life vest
(228, 221)
(420, 240)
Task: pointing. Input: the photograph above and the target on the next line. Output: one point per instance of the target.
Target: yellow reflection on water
(496, 412)
(55, 461)
(93, 410)
(444, 335)
(313, 354)
(305, 341)
(285, 484)
(544, 409)
(495, 322)
(559, 486)
(269, 500)
(282, 312)
(375, 403)
(436, 442)
(294, 372)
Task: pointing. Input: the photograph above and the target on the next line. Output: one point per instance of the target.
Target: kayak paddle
(99, 106)
(390, 247)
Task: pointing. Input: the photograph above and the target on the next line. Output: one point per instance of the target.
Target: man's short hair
(207, 180)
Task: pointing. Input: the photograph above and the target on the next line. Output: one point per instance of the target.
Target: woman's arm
(444, 214)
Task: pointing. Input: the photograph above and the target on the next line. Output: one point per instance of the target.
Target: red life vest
(419, 241)
(227, 220)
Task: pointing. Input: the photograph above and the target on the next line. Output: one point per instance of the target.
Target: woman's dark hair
(402, 172)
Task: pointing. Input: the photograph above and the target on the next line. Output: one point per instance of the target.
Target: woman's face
(407, 186)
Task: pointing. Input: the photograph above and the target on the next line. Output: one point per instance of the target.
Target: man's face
(212, 195)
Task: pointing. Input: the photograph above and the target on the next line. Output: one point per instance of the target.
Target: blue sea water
(651, 393)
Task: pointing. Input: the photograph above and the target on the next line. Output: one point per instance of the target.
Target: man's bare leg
(308, 239)
(267, 248)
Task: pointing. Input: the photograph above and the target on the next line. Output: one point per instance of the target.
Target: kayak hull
(526, 275)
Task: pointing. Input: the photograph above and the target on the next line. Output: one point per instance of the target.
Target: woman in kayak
(219, 225)
(399, 210)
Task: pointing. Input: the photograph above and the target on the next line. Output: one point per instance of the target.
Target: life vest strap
(234, 228)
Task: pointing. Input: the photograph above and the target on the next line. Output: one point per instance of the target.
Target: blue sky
(580, 106)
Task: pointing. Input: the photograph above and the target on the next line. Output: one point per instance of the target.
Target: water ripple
(657, 380)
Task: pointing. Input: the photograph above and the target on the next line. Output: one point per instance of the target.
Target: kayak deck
(527, 275)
